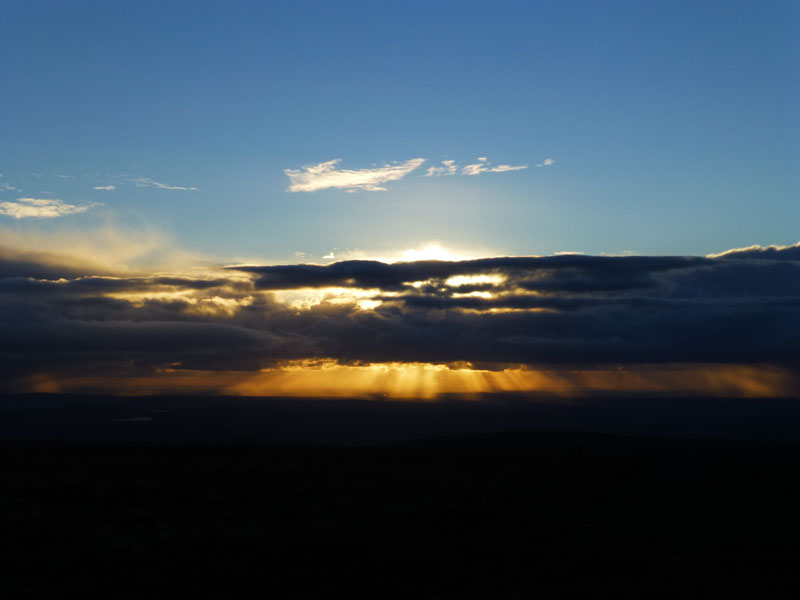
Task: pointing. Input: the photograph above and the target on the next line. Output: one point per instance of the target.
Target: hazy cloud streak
(42, 208)
(147, 182)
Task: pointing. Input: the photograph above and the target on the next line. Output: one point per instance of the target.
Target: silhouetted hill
(535, 515)
(506, 497)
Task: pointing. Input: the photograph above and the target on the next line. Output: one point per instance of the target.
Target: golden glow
(139, 297)
(484, 295)
(755, 248)
(368, 304)
(196, 302)
(218, 306)
(305, 298)
(104, 250)
(459, 280)
(426, 382)
(509, 310)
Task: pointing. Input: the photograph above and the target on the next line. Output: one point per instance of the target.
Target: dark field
(506, 515)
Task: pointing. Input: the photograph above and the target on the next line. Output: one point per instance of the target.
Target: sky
(660, 128)
(214, 196)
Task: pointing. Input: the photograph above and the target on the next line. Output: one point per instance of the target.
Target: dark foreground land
(506, 515)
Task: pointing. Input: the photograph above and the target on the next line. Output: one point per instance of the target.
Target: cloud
(147, 182)
(769, 252)
(70, 314)
(324, 175)
(42, 208)
(474, 169)
(448, 167)
(483, 166)
(7, 187)
(567, 310)
(141, 182)
(546, 162)
(530, 272)
(505, 168)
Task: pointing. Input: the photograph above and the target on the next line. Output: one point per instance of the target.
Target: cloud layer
(571, 311)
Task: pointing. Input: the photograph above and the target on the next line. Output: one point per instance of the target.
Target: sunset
(566, 324)
(318, 233)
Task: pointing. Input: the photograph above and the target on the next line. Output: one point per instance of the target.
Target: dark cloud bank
(569, 311)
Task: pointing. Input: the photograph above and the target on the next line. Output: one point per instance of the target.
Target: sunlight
(423, 381)
(459, 280)
(430, 252)
(484, 295)
(305, 298)
(429, 382)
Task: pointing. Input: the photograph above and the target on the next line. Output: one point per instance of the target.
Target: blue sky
(672, 127)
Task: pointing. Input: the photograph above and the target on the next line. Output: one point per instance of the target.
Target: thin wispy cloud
(42, 208)
(324, 175)
(505, 168)
(484, 166)
(7, 186)
(112, 182)
(546, 162)
(147, 182)
(449, 167)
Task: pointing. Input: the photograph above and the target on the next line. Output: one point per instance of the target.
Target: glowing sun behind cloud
(430, 252)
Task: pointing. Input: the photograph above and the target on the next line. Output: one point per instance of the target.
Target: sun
(430, 252)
